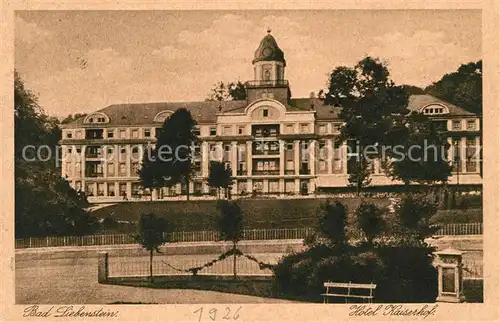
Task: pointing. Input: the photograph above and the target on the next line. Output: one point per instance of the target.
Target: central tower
(269, 72)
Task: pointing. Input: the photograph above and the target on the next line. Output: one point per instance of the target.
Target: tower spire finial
(268, 30)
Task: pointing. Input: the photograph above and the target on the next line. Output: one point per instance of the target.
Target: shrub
(402, 269)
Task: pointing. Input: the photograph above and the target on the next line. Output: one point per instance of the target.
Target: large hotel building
(274, 143)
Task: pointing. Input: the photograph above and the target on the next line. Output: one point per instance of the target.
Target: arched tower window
(267, 75)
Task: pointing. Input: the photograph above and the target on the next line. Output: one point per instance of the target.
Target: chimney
(311, 98)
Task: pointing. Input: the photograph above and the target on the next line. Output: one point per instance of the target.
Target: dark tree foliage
(148, 173)
(413, 90)
(230, 224)
(359, 174)
(414, 213)
(170, 162)
(370, 221)
(400, 266)
(220, 176)
(332, 222)
(463, 88)
(422, 157)
(151, 234)
(369, 100)
(226, 92)
(70, 118)
(45, 203)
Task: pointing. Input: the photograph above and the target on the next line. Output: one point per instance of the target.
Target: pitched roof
(144, 113)
(416, 102)
(206, 111)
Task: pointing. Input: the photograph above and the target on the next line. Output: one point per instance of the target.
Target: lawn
(259, 213)
(201, 214)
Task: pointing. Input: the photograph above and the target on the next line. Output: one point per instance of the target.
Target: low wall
(255, 285)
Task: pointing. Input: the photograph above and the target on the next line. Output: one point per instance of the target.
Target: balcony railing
(265, 152)
(93, 175)
(266, 83)
(266, 172)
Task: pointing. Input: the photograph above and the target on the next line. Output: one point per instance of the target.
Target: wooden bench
(348, 286)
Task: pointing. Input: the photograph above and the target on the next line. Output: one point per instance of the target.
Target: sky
(82, 61)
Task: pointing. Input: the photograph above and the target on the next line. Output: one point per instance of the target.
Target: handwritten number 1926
(212, 314)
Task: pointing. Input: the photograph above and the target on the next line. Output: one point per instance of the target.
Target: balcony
(94, 134)
(304, 170)
(266, 83)
(263, 131)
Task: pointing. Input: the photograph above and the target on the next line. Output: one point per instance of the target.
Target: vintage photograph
(247, 156)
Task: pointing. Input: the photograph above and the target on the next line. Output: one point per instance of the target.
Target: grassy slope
(259, 213)
(200, 215)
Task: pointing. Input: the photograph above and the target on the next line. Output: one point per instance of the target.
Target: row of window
(110, 189)
(456, 125)
(227, 130)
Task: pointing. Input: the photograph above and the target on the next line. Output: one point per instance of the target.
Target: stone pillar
(282, 186)
(205, 159)
(102, 267)
(282, 158)
(312, 157)
(249, 159)
(463, 155)
(129, 190)
(116, 158)
(234, 158)
(343, 149)
(104, 161)
(329, 154)
(82, 164)
(449, 265)
(127, 160)
(297, 186)
(296, 156)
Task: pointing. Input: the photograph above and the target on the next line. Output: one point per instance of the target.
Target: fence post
(30, 242)
(102, 267)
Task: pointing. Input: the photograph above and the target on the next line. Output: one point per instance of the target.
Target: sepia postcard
(237, 161)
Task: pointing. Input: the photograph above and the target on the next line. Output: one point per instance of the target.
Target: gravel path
(74, 281)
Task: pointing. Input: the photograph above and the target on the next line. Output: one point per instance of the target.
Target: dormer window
(434, 110)
(97, 117)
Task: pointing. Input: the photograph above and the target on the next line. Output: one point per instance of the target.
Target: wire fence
(472, 269)
(209, 236)
(177, 265)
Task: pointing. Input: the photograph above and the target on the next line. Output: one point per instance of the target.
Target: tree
(171, 160)
(414, 213)
(220, 176)
(413, 90)
(230, 225)
(332, 222)
(359, 174)
(70, 118)
(370, 221)
(149, 173)
(226, 92)
(423, 158)
(151, 234)
(45, 203)
(369, 100)
(463, 88)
